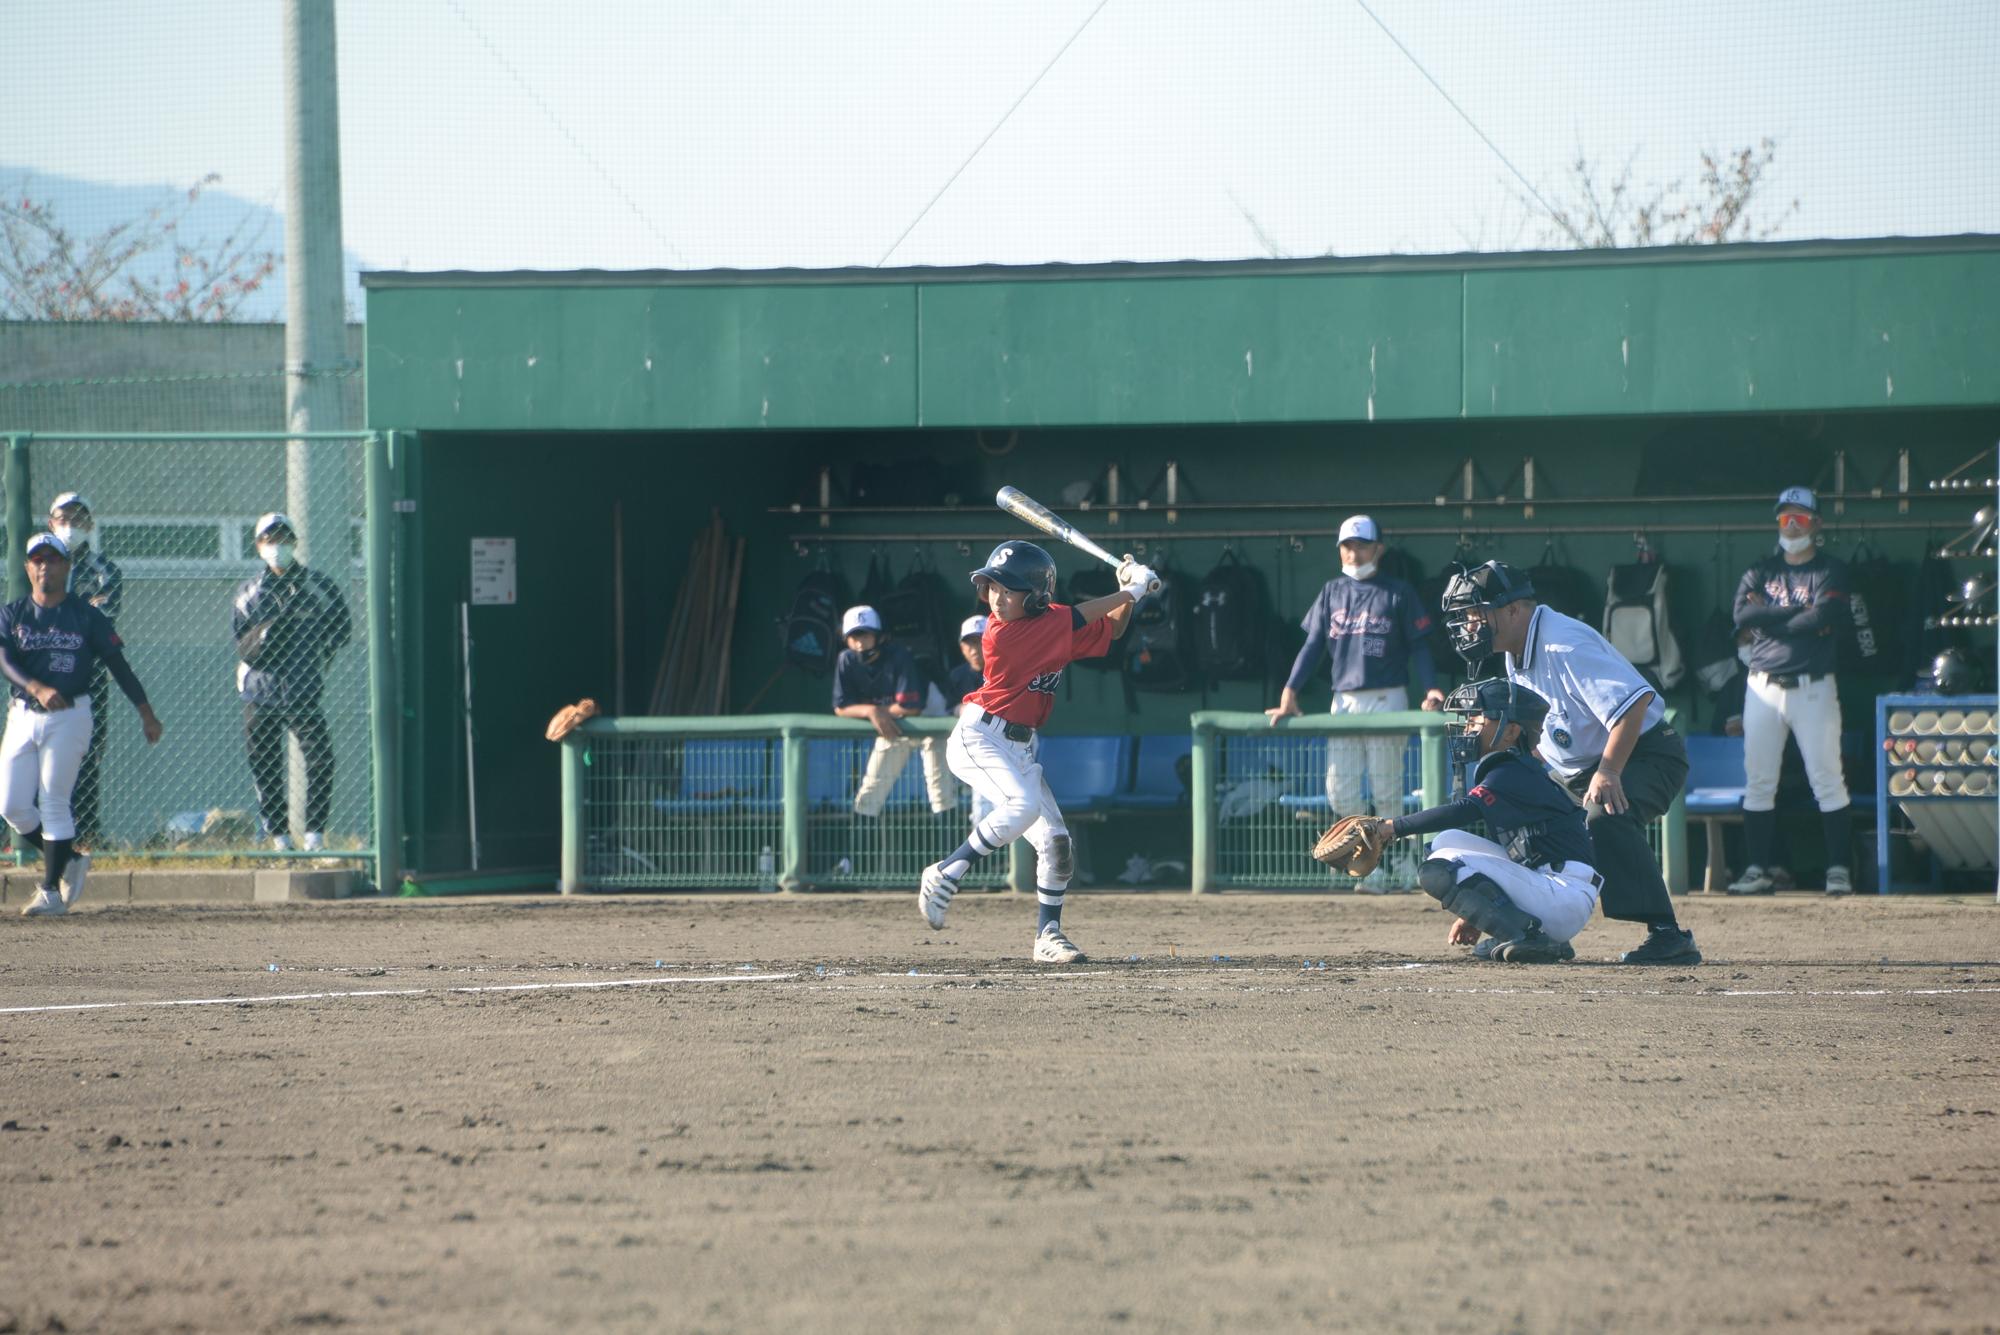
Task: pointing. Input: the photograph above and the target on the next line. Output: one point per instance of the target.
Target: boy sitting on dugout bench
(1529, 888)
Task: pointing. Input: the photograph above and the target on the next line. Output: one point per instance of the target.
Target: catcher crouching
(1529, 888)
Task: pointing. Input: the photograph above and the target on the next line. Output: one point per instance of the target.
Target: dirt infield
(782, 1126)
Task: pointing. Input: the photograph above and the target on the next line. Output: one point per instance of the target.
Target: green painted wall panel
(1751, 336)
(615, 358)
(1354, 348)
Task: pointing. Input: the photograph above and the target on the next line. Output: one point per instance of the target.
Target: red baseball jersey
(1025, 659)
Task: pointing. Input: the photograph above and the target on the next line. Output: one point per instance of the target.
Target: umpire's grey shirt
(1588, 684)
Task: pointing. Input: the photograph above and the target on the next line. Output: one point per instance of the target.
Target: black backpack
(1095, 581)
(1230, 615)
(811, 629)
(1157, 654)
(1875, 587)
(913, 611)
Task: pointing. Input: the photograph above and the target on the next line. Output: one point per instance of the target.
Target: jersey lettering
(1044, 683)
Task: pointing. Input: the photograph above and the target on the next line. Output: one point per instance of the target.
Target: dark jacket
(287, 627)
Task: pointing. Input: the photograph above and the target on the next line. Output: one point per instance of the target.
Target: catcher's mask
(1499, 699)
(1025, 568)
(1488, 586)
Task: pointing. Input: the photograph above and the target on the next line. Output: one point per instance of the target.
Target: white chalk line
(399, 992)
(832, 982)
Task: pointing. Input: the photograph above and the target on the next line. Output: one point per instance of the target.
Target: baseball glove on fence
(1354, 844)
(569, 718)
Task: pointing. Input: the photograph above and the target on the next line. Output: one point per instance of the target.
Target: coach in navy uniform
(94, 578)
(1606, 737)
(1374, 629)
(288, 622)
(1794, 604)
(50, 645)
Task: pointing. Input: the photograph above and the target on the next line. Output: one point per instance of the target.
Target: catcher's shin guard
(1480, 901)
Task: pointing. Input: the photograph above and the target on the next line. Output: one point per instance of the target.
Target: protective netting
(1275, 795)
(170, 557)
(519, 134)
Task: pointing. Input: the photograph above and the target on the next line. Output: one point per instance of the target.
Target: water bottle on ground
(767, 870)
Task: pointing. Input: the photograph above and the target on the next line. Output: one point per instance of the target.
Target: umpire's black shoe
(1664, 945)
(1534, 948)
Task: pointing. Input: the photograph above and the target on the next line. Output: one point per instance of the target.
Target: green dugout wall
(1665, 392)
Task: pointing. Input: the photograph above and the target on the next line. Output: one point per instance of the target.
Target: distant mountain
(86, 208)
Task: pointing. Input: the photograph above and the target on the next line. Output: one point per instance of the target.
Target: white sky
(493, 134)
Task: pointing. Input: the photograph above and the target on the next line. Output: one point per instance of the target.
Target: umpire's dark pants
(264, 729)
(1633, 890)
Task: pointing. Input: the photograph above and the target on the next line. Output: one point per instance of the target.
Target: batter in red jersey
(1030, 638)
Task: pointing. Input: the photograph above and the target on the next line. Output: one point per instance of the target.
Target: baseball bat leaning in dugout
(1036, 515)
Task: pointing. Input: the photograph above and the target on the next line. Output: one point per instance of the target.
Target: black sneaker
(1664, 945)
(1534, 948)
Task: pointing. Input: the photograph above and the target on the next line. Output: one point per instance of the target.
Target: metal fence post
(1201, 778)
(382, 666)
(20, 514)
(1433, 750)
(792, 853)
(1673, 845)
(573, 745)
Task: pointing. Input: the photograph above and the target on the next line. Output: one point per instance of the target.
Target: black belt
(36, 706)
(1596, 880)
(1013, 732)
(1791, 681)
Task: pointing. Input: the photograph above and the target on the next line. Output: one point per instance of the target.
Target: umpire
(289, 622)
(94, 578)
(1605, 737)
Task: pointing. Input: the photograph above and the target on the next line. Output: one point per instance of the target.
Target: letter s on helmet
(1488, 586)
(1024, 568)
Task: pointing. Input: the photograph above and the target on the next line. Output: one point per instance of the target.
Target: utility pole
(322, 478)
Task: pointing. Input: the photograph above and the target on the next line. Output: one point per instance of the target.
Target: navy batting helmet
(1025, 568)
(1500, 699)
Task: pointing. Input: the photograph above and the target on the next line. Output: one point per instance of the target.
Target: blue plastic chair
(1084, 772)
(1156, 781)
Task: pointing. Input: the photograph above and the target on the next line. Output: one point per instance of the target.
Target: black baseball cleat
(1536, 947)
(1664, 945)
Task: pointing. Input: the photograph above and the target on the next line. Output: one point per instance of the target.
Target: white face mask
(1793, 546)
(1743, 654)
(278, 555)
(1357, 572)
(71, 535)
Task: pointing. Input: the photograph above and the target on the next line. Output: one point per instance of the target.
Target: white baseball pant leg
(1563, 900)
(40, 754)
(1811, 713)
(1382, 756)
(885, 765)
(938, 783)
(1008, 777)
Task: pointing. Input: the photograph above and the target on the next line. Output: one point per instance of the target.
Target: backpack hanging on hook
(1637, 623)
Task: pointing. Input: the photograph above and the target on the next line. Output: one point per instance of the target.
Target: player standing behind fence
(1030, 638)
(50, 645)
(881, 682)
(95, 579)
(288, 622)
(1374, 629)
(1794, 603)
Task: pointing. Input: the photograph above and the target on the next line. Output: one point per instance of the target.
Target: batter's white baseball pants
(1562, 897)
(1383, 755)
(1008, 777)
(887, 760)
(39, 756)
(1810, 712)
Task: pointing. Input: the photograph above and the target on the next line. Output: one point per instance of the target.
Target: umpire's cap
(1494, 584)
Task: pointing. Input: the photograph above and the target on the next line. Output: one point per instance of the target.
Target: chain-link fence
(759, 803)
(259, 674)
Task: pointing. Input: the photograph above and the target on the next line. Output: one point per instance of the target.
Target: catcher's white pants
(887, 759)
(1383, 755)
(1008, 777)
(1809, 712)
(1561, 895)
(39, 756)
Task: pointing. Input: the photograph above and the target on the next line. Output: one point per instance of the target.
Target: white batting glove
(1138, 580)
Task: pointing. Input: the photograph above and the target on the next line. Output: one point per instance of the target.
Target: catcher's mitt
(1353, 844)
(569, 718)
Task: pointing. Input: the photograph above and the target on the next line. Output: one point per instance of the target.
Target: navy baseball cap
(50, 542)
(1360, 528)
(1796, 497)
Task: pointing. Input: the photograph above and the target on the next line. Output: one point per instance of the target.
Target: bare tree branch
(1600, 213)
